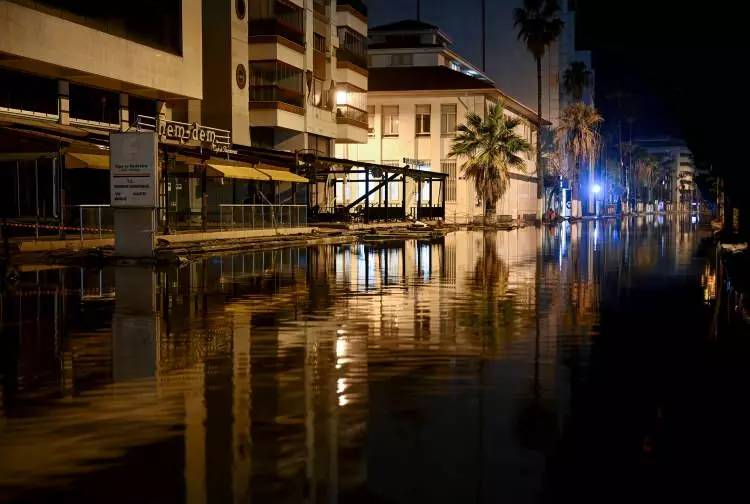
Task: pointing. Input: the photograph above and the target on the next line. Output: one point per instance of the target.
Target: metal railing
(92, 219)
(262, 216)
(351, 113)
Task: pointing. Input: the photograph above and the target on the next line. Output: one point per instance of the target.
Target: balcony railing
(352, 114)
(344, 54)
(353, 47)
(278, 26)
(276, 94)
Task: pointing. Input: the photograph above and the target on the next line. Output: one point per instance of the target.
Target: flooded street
(525, 366)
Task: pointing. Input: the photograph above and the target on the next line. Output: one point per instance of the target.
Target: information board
(133, 170)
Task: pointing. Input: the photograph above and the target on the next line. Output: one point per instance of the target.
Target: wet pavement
(535, 365)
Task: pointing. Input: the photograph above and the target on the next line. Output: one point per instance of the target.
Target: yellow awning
(282, 175)
(84, 160)
(238, 172)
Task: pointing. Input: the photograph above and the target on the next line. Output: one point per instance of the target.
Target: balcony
(352, 48)
(276, 27)
(277, 18)
(320, 7)
(349, 114)
(275, 93)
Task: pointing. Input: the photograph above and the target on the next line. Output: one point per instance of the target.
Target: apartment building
(73, 72)
(679, 167)
(286, 74)
(419, 91)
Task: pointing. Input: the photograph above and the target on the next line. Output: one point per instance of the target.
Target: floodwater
(537, 365)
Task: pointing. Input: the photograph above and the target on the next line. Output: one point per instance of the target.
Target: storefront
(55, 180)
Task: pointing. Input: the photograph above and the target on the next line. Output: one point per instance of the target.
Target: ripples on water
(411, 371)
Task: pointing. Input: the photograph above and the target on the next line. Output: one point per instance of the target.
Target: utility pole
(484, 37)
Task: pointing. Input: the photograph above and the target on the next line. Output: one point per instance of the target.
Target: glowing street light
(596, 189)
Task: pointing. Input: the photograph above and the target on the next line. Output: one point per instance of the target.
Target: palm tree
(538, 25)
(649, 171)
(491, 148)
(578, 136)
(575, 79)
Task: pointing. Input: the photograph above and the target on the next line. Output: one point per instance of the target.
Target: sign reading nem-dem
(133, 170)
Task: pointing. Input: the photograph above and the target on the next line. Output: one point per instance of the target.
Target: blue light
(596, 189)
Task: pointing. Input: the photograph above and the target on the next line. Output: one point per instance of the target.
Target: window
(276, 81)
(277, 17)
(402, 59)
(371, 120)
(96, 105)
(449, 166)
(319, 143)
(423, 119)
(448, 119)
(390, 120)
(20, 91)
(454, 66)
(319, 42)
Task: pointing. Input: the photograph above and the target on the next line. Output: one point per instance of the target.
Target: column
(124, 112)
(63, 101)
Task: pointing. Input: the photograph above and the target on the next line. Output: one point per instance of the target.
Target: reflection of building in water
(254, 373)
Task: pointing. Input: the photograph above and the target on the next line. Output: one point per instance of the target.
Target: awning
(237, 172)
(261, 172)
(281, 175)
(74, 160)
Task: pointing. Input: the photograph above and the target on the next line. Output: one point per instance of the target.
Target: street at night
(382, 251)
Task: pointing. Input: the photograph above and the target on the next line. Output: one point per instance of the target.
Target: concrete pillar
(63, 101)
(124, 112)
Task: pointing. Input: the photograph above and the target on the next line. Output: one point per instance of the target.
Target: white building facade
(417, 97)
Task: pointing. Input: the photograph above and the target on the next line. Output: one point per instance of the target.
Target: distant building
(680, 168)
(419, 91)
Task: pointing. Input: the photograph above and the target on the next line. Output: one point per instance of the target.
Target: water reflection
(402, 372)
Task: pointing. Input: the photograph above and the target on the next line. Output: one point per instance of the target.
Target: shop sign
(218, 140)
(133, 163)
(414, 162)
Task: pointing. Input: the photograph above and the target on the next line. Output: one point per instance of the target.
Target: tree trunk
(487, 218)
(575, 210)
(539, 170)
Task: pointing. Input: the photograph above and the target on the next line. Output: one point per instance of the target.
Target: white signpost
(134, 179)
(133, 159)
